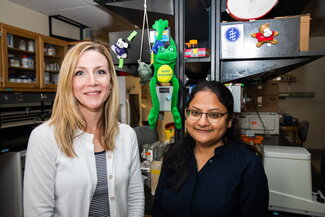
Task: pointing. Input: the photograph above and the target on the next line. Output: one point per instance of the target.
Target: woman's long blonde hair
(66, 116)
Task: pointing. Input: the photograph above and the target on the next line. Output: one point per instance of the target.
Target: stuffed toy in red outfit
(265, 35)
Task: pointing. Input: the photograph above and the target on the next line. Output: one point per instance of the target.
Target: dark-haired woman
(211, 173)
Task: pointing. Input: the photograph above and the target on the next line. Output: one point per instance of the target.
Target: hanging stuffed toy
(144, 71)
(164, 64)
(265, 35)
(119, 49)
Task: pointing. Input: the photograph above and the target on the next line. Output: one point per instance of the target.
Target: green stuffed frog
(164, 64)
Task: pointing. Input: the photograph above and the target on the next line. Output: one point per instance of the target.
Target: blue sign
(232, 34)
(153, 35)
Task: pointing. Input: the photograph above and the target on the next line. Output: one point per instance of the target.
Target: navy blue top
(231, 184)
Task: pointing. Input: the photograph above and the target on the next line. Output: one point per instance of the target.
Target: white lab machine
(288, 171)
(237, 93)
(260, 123)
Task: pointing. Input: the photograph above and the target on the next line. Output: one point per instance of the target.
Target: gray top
(99, 205)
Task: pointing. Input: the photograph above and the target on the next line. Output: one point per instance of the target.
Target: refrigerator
(130, 100)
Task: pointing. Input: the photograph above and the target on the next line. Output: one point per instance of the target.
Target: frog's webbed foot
(152, 118)
(177, 118)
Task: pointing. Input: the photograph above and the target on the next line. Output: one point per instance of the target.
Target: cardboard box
(267, 88)
(161, 123)
(304, 30)
(264, 103)
(197, 52)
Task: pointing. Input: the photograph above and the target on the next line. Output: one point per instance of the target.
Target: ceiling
(99, 18)
(85, 12)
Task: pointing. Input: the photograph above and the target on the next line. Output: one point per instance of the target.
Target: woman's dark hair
(177, 155)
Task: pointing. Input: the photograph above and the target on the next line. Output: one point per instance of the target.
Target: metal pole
(179, 12)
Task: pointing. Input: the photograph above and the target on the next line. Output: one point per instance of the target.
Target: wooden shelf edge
(3, 89)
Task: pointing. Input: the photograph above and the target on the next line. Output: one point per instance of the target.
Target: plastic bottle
(155, 168)
(24, 61)
(10, 40)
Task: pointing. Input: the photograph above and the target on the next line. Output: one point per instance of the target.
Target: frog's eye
(171, 49)
(162, 49)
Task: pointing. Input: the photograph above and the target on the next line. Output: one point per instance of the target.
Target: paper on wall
(232, 41)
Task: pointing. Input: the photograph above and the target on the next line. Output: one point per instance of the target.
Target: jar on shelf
(29, 78)
(31, 46)
(24, 79)
(46, 77)
(50, 50)
(22, 44)
(24, 61)
(57, 67)
(52, 66)
(17, 62)
(19, 80)
(12, 78)
(54, 78)
(11, 59)
(46, 66)
(30, 63)
(12, 62)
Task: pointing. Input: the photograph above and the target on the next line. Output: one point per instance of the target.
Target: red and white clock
(249, 9)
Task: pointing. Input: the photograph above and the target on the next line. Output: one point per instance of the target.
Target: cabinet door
(53, 51)
(20, 58)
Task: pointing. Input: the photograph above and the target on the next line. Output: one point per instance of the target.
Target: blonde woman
(82, 162)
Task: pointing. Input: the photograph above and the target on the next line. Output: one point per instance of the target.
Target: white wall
(310, 78)
(16, 15)
(25, 18)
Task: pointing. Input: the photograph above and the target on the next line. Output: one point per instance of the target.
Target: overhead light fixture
(101, 2)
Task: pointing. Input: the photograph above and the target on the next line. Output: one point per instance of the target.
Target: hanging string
(207, 9)
(145, 21)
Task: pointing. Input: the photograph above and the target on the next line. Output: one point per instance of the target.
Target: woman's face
(204, 131)
(92, 81)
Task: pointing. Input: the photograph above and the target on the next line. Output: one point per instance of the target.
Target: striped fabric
(99, 206)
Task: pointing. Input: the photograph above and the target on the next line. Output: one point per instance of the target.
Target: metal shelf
(198, 60)
(284, 95)
(236, 69)
(250, 69)
(285, 81)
